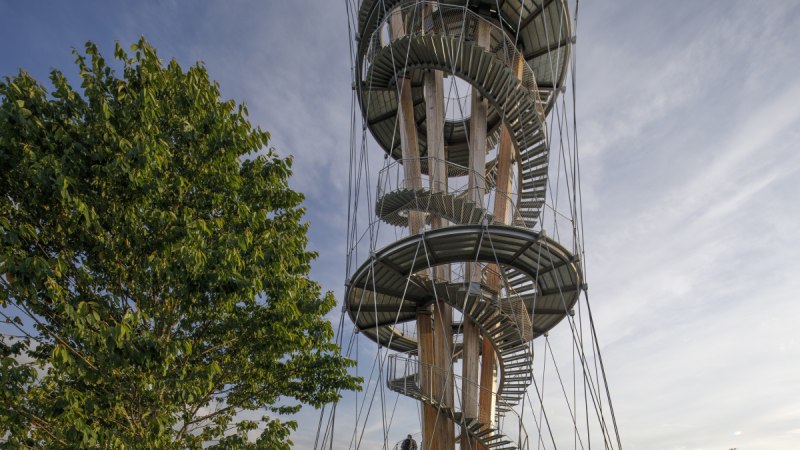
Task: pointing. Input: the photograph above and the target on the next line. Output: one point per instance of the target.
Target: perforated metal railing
(392, 179)
(410, 377)
(455, 21)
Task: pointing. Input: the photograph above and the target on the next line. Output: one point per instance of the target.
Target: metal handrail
(512, 305)
(392, 178)
(403, 368)
(449, 20)
(424, 372)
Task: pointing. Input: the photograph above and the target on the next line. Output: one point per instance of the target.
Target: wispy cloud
(688, 124)
(691, 236)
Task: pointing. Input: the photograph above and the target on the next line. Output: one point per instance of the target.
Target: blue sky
(688, 121)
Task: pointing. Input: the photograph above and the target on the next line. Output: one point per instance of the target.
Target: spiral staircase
(519, 74)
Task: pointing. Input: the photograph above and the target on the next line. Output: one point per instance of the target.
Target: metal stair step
(485, 432)
(521, 364)
(500, 317)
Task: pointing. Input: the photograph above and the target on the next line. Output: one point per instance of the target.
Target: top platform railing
(455, 21)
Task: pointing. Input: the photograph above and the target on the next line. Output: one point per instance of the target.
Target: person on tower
(408, 444)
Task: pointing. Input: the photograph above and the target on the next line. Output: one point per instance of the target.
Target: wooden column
(477, 189)
(442, 312)
(408, 131)
(413, 180)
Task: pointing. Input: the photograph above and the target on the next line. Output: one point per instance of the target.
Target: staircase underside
(388, 289)
(517, 105)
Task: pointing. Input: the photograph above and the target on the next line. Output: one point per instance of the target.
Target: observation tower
(459, 264)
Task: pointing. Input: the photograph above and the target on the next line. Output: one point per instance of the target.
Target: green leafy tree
(154, 270)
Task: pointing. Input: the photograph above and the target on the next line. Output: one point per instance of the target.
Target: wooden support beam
(476, 190)
(442, 312)
(426, 358)
(408, 130)
(416, 222)
(433, 89)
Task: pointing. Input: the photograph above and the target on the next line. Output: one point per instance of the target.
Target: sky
(688, 123)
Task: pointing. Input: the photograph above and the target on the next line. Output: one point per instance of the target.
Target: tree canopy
(154, 271)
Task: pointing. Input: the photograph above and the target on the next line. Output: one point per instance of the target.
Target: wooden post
(442, 312)
(413, 180)
(408, 131)
(426, 353)
(477, 188)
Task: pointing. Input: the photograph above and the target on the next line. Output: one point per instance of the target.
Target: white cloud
(688, 123)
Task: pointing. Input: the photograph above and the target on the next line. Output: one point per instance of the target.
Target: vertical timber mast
(457, 274)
